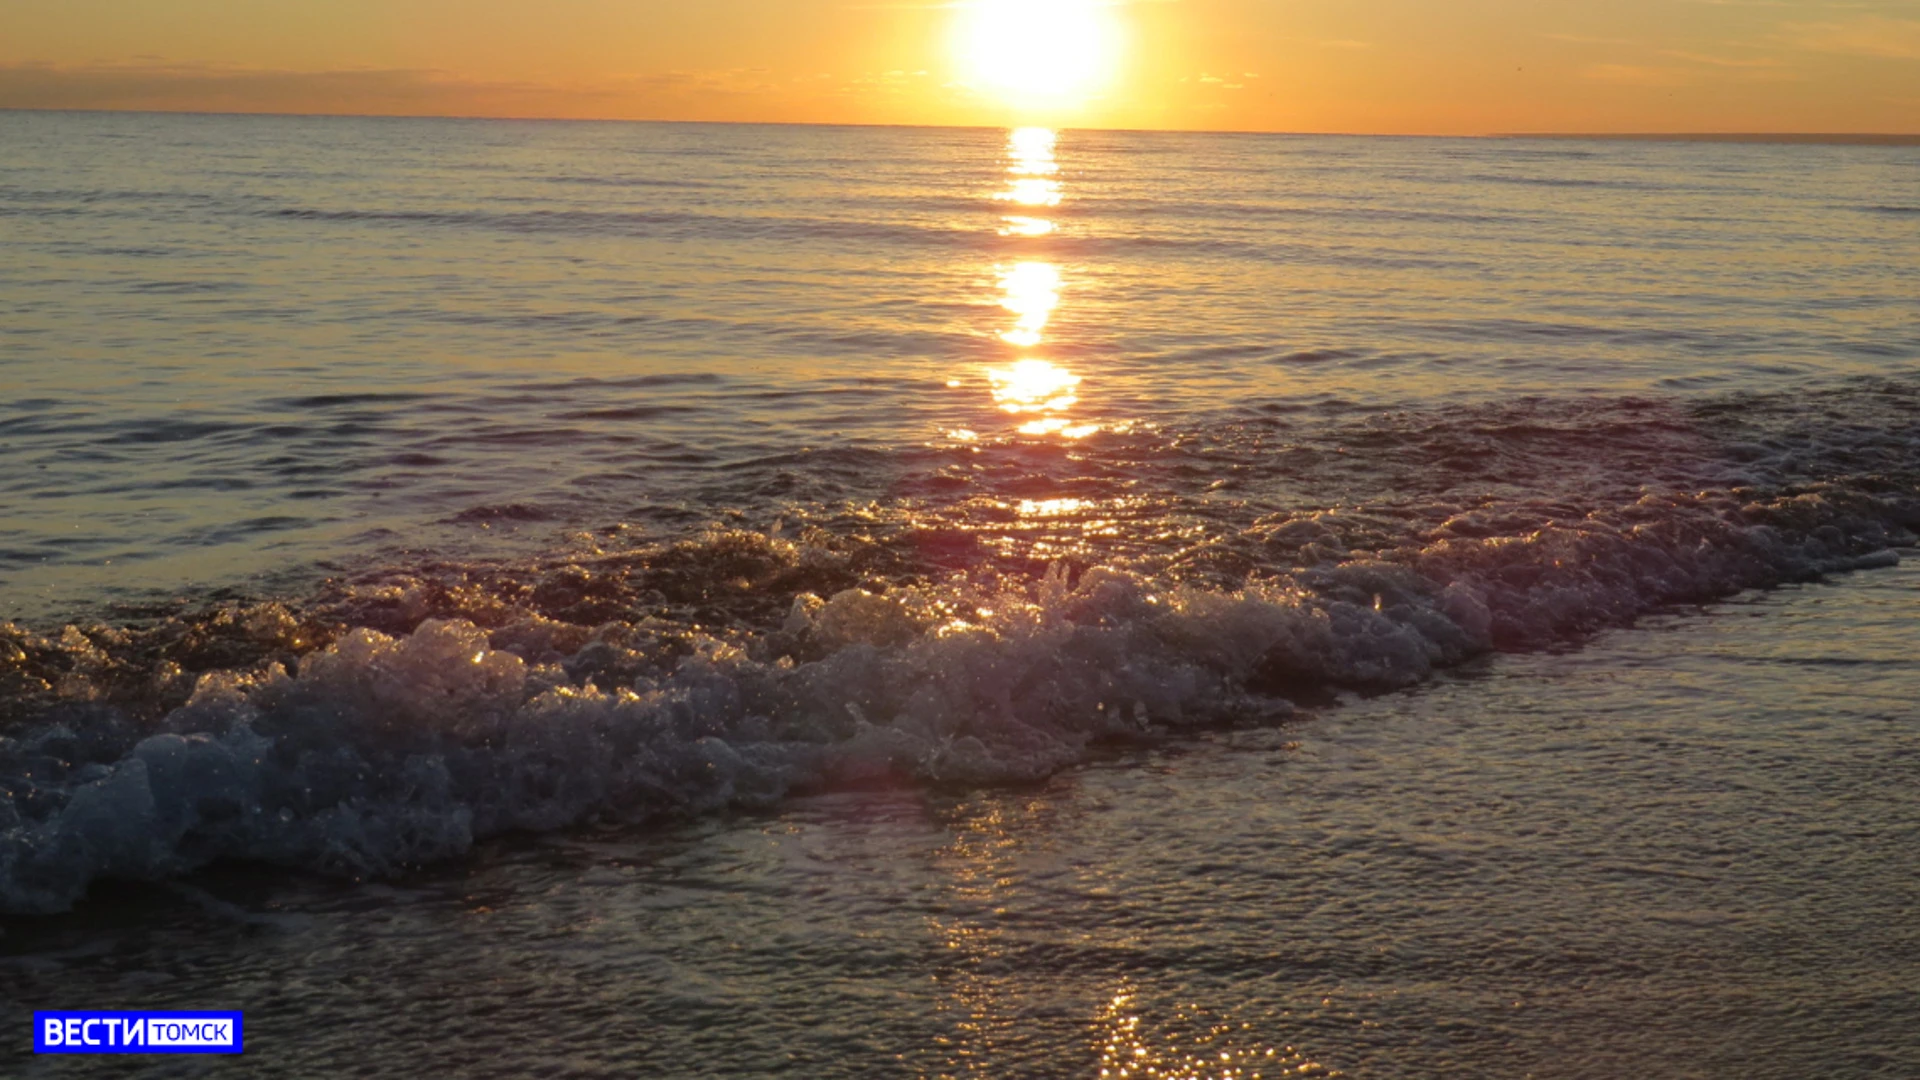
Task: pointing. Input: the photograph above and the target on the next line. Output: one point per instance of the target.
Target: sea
(513, 599)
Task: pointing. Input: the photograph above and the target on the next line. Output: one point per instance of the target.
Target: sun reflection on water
(1208, 1048)
(1036, 389)
(1032, 292)
(1058, 425)
(1029, 227)
(1052, 507)
(1032, 151)
(1034, 386)
(991, 1001)
(1032, 168)
(1033, 192)
(977, 1003)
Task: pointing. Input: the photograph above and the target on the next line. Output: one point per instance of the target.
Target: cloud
(1745, 69)
(158, 85)
(890, 83)
(1327, 43)
(1866, 35)
(1743, 62)
(1583, 39)
(1634, 75)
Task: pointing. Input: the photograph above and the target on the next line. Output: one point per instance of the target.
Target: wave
(397, 722)
(661, 223)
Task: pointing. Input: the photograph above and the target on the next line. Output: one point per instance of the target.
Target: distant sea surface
(714, 600)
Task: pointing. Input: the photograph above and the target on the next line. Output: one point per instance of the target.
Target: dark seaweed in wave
(398, 715)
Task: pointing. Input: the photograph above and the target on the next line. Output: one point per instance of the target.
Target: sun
(1038, 53)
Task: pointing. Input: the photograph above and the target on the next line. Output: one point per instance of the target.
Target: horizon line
(1829, 138)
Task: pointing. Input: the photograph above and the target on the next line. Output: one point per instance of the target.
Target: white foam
(384, 752)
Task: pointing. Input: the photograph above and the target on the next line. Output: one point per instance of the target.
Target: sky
(1375, 66)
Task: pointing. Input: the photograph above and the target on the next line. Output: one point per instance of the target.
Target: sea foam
(383, 751)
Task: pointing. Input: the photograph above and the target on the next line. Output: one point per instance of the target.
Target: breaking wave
(399, 718)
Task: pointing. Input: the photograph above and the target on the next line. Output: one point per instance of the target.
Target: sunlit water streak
(411, 483)
(1039, 391)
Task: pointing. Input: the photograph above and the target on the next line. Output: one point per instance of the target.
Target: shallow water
(1683, 850)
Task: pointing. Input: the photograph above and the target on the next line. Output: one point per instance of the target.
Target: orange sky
(1416, 66)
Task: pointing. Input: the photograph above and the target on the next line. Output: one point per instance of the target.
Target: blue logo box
(137, 1033)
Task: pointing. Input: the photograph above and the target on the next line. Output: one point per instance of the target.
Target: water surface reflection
(1032, 293)
(1032, 170)
(1197, 1045)
(1036, 390)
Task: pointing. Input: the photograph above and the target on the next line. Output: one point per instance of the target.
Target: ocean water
(712, 599)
